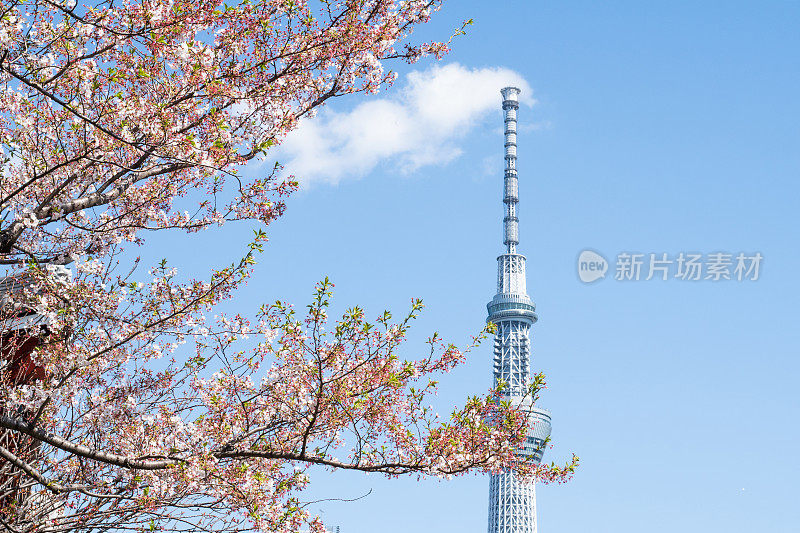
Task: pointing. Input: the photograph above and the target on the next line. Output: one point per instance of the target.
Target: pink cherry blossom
(128, 399)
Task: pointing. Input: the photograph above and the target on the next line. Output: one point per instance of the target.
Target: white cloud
(419, 126)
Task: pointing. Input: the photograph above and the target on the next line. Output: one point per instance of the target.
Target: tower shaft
(512, 499)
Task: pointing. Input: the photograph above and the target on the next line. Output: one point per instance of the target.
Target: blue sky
(656, 128)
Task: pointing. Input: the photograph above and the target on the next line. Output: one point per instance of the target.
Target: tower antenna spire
(511, 187)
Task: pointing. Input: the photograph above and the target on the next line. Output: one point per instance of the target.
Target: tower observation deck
(512, 500)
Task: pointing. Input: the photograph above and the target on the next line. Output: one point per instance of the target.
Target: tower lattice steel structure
(512, 500)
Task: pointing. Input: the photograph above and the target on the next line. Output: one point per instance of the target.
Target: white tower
(512, 500)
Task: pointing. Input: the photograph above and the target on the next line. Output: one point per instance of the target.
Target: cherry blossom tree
(129, 402)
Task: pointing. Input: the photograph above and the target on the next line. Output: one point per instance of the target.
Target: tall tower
(512, 500)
